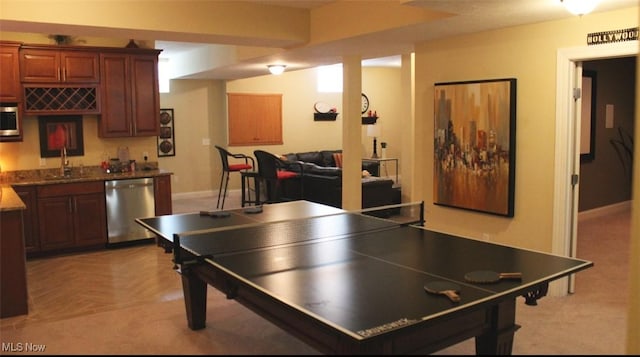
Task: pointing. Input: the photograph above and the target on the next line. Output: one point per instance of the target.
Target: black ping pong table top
(360, 275)
(168, 225)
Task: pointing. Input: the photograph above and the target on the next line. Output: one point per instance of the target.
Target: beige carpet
(129, 301)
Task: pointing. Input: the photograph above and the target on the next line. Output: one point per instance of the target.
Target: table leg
(244, 188)
(498, 340)
(195, 299)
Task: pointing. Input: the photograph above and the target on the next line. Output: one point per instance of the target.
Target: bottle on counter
(104, 165)
(132, 165)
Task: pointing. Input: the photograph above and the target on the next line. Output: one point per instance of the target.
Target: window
(330, 78)
(164, 75)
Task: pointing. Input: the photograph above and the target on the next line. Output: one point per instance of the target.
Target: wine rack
(48, 100)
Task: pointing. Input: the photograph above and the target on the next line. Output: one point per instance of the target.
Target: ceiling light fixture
(276, 68)
(580, 7)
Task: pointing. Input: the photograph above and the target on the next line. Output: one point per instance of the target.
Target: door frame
(567, 163)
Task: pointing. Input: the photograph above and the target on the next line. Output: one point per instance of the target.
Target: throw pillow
(284, 174)
(337, 157)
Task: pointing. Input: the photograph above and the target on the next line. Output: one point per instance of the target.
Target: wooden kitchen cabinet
(10, 86)
(130, 96)
(10, 89)
(13, 270)
(72, 215)
(51, 65)
(30, 217)
(162, 195)
(59, 80)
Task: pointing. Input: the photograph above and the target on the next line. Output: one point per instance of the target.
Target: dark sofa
(322, 180)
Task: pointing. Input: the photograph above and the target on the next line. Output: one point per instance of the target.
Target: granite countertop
(11, 201)
(91, 173)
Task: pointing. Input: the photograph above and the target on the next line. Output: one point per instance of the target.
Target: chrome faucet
(65, 170)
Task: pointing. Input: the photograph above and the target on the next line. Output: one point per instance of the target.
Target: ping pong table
(351, 283)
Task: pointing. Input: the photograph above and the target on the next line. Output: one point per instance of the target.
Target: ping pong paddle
(488, 276)
(446, 288)
(215, 214)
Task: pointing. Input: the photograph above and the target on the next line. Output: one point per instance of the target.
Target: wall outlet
(43, 162)
(206, 141)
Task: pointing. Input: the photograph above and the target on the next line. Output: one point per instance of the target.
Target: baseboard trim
(193, 194)
(604, 210)
(200, 194)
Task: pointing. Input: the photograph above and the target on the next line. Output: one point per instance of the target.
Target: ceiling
(383, 48)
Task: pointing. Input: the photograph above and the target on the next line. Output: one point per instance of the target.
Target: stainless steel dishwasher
(127, 200)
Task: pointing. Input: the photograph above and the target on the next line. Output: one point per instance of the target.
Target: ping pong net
(265, 235)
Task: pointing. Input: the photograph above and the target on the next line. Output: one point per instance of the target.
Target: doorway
(605, 168)
(567, 164)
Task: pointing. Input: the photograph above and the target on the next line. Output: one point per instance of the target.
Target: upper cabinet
(10, 90)
(129, 85)
(119, 84)
(59, 66)
(60, 79)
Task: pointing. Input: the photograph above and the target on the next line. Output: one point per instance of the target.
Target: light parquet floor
(129, 301)
(79, 284)
(85, 283)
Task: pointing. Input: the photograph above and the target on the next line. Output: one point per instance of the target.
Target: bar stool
(227, 169)
(246, 187)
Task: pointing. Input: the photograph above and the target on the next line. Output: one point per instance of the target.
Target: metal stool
(246, 187)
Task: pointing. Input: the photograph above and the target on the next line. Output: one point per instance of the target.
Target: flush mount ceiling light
(276, 68)
(580, 7)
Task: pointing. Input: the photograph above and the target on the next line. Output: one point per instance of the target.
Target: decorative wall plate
(165, 117)
(322, 107)
(166, 139)
(166, 146)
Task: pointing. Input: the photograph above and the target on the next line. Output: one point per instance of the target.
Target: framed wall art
(166, 139)
(58, 131)
(474, 145)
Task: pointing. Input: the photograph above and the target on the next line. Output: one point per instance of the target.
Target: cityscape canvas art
(474, 145)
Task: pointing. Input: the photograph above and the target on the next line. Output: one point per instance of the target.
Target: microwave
(9, 123)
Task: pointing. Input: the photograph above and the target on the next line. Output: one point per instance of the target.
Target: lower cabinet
(71, 215)
(13, 271)
(30, 217)
(162, 188)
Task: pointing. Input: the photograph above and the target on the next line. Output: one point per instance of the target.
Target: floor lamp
(374, 131)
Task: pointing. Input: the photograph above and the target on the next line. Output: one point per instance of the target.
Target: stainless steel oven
(9, 123)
